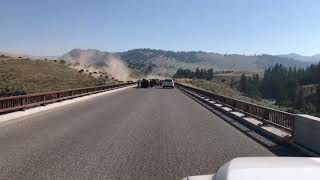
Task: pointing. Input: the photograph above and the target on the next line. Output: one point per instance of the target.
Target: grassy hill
(214, 87)
(23, 76)
(223, 89)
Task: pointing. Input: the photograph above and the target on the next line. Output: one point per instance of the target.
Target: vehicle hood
(266, 168)
(200, 177)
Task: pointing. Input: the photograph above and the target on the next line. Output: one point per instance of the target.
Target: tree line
(198, 73)
(283, 85)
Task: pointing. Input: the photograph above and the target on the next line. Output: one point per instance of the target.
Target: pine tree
(299, 100)
(243, 84)
(197, 73)
(209, 74)
(232, 83)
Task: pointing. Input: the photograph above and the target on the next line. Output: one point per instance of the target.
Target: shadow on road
(155, 87)
(277, 148)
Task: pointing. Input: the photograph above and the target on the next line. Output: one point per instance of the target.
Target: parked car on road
(168, 83)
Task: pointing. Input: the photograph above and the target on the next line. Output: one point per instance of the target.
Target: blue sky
(53, 27)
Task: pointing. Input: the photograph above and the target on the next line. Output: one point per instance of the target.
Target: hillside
(108, 62)
(150, 61)
(314, 58)
(225, 90)
(27, 56)
(21, 76)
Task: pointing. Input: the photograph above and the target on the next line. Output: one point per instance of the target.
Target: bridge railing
(277, 118)
(12, 103)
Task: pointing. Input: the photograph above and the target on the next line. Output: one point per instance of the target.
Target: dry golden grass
(31, 76)
(225, 90)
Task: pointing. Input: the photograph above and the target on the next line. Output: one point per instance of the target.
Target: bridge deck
(130, 134)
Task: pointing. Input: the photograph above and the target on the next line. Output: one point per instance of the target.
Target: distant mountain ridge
(167, 62)
(314, 58)
(90, 56)
(16, 55)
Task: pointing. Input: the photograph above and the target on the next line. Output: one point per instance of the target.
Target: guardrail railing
(280, 119)
(13, 103)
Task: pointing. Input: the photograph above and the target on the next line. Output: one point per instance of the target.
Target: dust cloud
(153, 76)
(109, 64)
(117, 68)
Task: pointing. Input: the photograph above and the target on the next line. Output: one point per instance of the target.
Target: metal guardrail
(267, 115)
(13, 103)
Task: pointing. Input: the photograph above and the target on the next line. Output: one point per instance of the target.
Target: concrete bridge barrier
(307, 132)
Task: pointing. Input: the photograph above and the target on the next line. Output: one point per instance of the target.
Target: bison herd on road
(146, 83)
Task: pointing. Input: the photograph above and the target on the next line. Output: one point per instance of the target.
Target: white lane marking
(18, 114)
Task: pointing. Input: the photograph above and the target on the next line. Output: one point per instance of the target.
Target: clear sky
(53, 27)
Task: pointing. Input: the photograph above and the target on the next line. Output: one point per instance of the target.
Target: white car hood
(267, 168)
(200, 177)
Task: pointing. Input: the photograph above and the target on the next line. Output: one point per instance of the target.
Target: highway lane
(130, 134)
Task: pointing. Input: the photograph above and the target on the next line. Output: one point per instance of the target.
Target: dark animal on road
(145, 83)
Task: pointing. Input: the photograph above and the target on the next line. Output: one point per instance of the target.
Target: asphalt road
(130, 134)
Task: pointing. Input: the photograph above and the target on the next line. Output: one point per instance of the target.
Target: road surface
(131, 134)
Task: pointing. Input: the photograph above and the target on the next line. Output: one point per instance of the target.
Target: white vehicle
(168, 83)
(266, 168)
